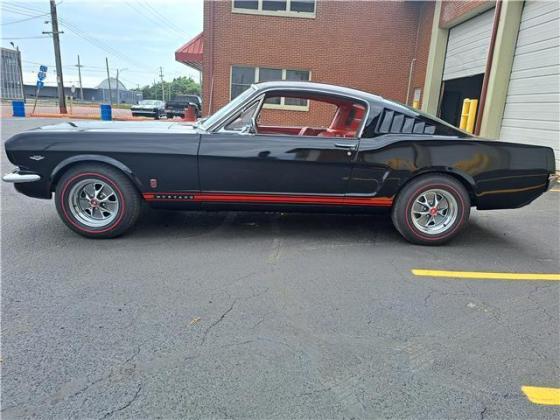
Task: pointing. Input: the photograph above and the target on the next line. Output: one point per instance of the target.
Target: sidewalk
(76, 111)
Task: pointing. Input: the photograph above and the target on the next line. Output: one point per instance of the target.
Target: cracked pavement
(301, 316)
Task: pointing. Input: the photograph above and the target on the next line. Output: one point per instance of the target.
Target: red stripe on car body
(270, 199)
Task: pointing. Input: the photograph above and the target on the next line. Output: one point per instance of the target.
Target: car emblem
(37, 157)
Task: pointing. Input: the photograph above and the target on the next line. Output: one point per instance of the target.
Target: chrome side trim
(18, 178)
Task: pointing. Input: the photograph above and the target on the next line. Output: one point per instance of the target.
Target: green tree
(178, 86)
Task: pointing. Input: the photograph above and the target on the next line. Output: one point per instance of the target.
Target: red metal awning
(190, 54)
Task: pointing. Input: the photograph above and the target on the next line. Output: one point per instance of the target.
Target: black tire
(156, 116)
(126, 195)
(169, 116)
(402, 211)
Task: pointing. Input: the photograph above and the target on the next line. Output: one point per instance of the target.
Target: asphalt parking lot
(230, 315)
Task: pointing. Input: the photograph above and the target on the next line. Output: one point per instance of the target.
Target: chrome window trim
(260, 91)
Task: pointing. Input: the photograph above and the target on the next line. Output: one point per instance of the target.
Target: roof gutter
(489, 60)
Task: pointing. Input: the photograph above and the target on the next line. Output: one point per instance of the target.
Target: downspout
(211, 54)
(410, 70)
(413, 61)
(489, 60)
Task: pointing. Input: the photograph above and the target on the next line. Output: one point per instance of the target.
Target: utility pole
(109, 81)
(58, 60)
(118, 90)
(80, 78)
(162, 88)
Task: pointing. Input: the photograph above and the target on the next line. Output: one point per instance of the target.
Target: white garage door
(532, 111)
(467, 47)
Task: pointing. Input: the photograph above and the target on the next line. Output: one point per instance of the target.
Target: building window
(242, 77)
(290, 8)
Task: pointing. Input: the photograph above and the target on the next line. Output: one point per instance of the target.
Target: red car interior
(345, 123)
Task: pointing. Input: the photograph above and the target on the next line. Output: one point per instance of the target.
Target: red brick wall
(453, 11)
(366, 45)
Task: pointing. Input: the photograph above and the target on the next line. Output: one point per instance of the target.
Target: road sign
(41, 76)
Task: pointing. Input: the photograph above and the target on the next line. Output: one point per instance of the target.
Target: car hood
(124, 126)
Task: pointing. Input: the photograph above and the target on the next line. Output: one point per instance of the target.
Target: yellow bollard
(472, 115)
(465, 114)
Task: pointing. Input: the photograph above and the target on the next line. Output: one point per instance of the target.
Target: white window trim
(282, 13)
(281, 105)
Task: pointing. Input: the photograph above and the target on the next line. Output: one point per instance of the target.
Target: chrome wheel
(434, 211)
(93, 202)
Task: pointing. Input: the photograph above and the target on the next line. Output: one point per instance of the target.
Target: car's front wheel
(431, 209)
(97, 201)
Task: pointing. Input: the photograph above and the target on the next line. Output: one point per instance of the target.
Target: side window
(244, 119)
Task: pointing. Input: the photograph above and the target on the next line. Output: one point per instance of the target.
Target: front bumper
(147, 112)
(553, 180)
(17, 177)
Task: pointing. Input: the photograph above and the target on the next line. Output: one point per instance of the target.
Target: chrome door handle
(348, 146)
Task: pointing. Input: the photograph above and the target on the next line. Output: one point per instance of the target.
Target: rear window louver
(395, 122)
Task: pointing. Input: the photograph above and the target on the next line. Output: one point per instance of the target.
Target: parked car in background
(176, 106)
(372, 153)
(149, 108)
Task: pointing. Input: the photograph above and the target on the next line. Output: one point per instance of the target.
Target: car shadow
(250, 225)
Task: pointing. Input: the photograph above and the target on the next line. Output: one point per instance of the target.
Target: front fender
(64, 165)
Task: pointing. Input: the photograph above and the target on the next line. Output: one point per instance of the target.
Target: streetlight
(118, 88)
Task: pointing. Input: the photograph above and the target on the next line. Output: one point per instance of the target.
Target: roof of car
(333, 89)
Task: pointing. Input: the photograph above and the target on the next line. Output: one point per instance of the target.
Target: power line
(23, 8)
(99, 44)
(157, 13)
(152, 17)
(25, 37)
(26, 11)
(24, 20)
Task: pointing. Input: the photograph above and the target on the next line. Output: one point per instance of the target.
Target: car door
(274, 164)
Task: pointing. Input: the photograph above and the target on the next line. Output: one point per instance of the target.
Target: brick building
(505, 54)
(380, 47)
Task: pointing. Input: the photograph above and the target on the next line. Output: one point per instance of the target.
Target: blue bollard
(18, 108)
(106, 112)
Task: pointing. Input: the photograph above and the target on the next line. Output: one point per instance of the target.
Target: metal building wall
(11, 83)
(532, 110)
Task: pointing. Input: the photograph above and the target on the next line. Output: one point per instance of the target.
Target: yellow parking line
(479, 275)
(540, 395)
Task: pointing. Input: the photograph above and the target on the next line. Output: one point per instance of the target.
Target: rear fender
(461, 176)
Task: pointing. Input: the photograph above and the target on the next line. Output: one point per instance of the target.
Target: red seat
(346, 121)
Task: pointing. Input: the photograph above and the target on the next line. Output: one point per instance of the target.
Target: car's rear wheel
(431, 209)
(97, 201)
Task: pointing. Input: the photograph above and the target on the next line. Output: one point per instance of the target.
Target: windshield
(218, 115)
(148, 103)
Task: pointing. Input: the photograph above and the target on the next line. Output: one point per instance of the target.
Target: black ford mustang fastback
(375, 153)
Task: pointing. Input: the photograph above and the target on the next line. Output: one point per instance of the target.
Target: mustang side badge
(153, 183)
(36, 157)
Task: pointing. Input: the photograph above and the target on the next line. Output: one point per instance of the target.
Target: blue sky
(137, 35)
